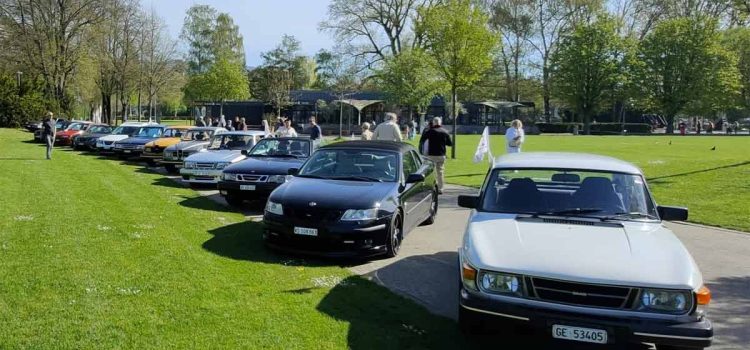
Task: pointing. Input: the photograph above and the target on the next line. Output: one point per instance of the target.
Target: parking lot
(426, 269)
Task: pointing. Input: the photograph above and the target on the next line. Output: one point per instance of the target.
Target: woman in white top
(287, 130)
(514, 137)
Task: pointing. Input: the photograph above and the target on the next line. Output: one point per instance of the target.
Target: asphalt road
(426, 269)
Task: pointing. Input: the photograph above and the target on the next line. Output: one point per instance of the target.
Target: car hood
(265, 165)
(166, 141)
(332, 194)
(188, 146)
(91, 136)
(136, 140)
(634, 253)
(69, 132)
(113, 137)
(215, 156)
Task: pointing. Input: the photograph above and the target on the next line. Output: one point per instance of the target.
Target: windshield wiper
(575, 211)
(311, 176)
(631, 215)
(357, 178)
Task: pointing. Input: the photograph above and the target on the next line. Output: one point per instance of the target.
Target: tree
(457, 36)
(410, 79)
(286, 56)
(226, 80)
(227, 41)
(160, 70)
(586, 67)
(514, 20)
(682, 67)
(198, 32)
(737, 40)
(272, 84)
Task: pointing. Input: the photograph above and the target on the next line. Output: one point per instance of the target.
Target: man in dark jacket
(435, 141)
(48, 134)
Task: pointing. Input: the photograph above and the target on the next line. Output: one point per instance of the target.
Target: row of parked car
(571, 244)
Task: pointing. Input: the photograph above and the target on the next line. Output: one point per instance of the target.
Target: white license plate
(247, 187)
(127, 151)
(305, 231)
(202, 173)
(588, 335)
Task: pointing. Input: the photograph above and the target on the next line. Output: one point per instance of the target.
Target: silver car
(574, 244)
(192, 141)
(205, 166)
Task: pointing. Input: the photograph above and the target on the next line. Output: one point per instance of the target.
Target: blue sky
(261, 22)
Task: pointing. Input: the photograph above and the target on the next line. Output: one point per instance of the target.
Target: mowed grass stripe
(95, 253)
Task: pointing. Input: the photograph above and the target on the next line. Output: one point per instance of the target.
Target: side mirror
(468, 201)
(672, 213)
(244, 152)
(414, 178)
(293, 171)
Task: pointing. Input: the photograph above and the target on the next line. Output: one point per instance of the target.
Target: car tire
(393, 240)
(171, 168)
(150, 162)
(233, 199)
(433, 209)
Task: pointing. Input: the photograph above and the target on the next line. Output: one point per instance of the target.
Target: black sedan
(266, 167)
(87, 140)
(355, 198)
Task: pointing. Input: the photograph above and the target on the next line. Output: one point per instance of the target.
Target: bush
(16, 111)
(558, 128)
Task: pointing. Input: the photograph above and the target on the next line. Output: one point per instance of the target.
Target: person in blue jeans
(48, 134)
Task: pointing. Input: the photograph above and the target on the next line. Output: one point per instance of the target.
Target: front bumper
(128, 152)
(620, 329)
(335, 238)
(63, 141)
(199, 176)
(104, 148)
(244, 191)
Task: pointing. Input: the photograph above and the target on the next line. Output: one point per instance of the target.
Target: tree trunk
(454, 99)
(139, 105)
(221, 108)
(586, 122)
(670, 123)
(341, 120)
(546, 92)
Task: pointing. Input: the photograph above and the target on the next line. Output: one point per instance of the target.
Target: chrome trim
(429, 196)
(495, 313)
(371, 228)
(671, 336)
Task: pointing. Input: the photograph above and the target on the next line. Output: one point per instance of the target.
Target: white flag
(483, 147)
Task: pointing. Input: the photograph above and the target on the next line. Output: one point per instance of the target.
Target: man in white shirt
(388, 131)
(286, 130)
(514, 137)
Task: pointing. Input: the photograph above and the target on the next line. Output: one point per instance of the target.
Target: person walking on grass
(366, 133)
(388, 131)
(48, 134)
(436, 141)
(514, 137)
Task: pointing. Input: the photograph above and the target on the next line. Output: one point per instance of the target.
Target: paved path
(426, 269)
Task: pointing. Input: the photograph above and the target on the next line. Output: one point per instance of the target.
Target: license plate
(202, 173)
(127, 151)
(247, 187)
(305, 231)
(588, 335)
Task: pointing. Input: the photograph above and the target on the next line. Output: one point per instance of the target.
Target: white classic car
(205, 166)
(574, 244)
(191, 142)
(124, 131)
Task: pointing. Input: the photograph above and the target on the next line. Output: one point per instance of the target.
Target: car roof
(249, 133)
(562, 160)
(392, 146)
(207, 128)
(180, 127)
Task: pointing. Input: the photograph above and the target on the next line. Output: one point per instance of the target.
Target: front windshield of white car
(197, 135)
(567, 192)
(126, 130)
(233, 142)
(352, 164)
(150, 132)
(281, 148)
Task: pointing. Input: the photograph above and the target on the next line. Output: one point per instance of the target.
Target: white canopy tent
(359, 105)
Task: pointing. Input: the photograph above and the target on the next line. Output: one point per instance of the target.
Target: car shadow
(730, 310)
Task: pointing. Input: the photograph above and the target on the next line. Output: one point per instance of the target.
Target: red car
(65, 137)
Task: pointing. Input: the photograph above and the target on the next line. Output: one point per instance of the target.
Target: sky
(261, 22)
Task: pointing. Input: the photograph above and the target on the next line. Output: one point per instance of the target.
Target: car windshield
(60, 124)
(233, 142)
(171, 132)
(567, 192)
(197, 135)
(151, 132)
(281, 148)
(99, 129)
(126, 130)
(76, 126)
(352, 164)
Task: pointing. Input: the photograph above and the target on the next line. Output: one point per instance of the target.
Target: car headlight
(230, 177)
(222, 165)
(669, 301)
(148, 149)
(139, 147)
(501, 283)
(274, 208)
(117, 145)
(279, 179)
(189, 165)
(360, 214)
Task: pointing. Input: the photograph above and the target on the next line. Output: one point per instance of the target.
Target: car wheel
(393, 241)
(171, 168)
(150, 162)
(233, 199)
(433, 209)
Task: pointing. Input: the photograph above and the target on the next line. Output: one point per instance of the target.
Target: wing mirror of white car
(672, 213)
(470, 202)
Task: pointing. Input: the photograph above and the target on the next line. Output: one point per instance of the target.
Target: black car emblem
(312, 204)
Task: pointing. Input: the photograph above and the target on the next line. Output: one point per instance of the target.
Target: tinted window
(410, 165)
(235, 142)
(274, 147)
(150, 132)
(353, 164)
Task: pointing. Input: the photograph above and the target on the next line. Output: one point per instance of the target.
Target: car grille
(108, 142)
(319, 215)
(583, 294)
(252, 178)
(205, 165)
(128, 146)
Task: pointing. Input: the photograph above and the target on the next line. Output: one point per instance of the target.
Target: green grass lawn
(100, 254)
(714, 185)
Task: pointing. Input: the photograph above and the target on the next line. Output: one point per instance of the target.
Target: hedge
(596, 129)
(558, 128)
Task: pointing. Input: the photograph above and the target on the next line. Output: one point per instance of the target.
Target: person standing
(242, 126)
(286, 130)
(388, 131)
(236, 123)
(48, 134)
(514, 137)
(315, 132)
(222, 122)
(366, 133)
(412, 129)
(436, 141)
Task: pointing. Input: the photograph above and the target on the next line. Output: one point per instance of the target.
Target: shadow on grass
(659, 179)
